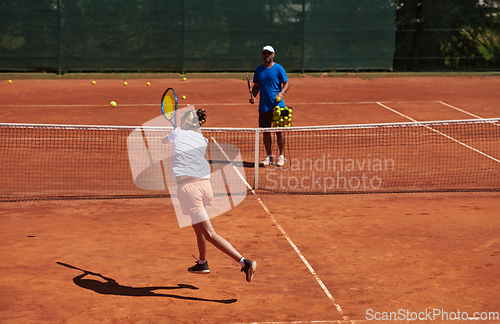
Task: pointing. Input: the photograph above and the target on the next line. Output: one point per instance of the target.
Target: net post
(256, 159)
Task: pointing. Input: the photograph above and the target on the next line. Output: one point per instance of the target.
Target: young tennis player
(194, 191)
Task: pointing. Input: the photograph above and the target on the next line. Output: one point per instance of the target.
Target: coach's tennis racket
(249, 85)
(169, 106)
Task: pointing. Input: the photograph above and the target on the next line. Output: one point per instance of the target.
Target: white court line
(296, 249)
(464, 111)
(461, 110)
(219, 104)
(440, 133)
(235, 168)
(320, 282)
(322, 103)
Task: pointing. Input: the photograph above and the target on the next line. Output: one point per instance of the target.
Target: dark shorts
(266, 118)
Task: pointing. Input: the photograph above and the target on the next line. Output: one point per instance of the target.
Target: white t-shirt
(189, 154)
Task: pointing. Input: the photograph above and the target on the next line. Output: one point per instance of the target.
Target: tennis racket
(249, 85)
(169, 106)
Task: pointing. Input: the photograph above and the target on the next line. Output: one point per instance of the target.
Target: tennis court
(322, 258)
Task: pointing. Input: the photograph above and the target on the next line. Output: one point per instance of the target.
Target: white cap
(268, 48)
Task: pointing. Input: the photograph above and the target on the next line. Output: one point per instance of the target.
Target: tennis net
(75, 162)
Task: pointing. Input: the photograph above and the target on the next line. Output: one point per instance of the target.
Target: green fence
(195, 35)
(227, 35)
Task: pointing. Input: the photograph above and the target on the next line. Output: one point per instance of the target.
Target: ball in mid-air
(10, 81)
(147, 83)
(184, 79)
(125, 83)
(183, 97)
(93, 82)
(112, 104)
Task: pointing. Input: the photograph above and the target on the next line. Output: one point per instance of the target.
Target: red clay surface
(400, 253)
(318, 100)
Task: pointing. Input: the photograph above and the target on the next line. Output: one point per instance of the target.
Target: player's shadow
(110, 287)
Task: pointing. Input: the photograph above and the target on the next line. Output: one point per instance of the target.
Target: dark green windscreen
(195, 35)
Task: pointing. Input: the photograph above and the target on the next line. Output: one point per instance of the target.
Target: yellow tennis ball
(183, 97)
(125, 83)
(93, 82)
(278, 99)
(112, 104)
(10, 81)
(184, 79)
(147, 83)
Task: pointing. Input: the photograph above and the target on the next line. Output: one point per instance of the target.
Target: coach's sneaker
(200, 268)
(249, 269)
(267, 160)
(281, 161)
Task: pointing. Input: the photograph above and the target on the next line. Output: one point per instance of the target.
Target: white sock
(242, 262)
(200, 261)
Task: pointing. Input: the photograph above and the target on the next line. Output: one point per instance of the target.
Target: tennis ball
(112, 104)
(278, 99)
(147, 83)
(183, 97)
(125, 83)
(10, 81)
(184, 79)
(93, 82)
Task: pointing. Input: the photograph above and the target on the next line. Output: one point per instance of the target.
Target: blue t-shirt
(270, 80)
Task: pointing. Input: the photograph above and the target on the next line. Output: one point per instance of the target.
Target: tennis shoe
(281, 161)
(267, 160)
(199, 268)
(249, 269)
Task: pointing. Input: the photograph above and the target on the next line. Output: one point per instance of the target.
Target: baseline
(226, 104)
